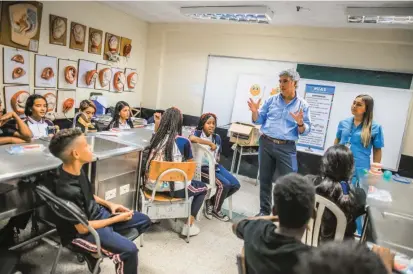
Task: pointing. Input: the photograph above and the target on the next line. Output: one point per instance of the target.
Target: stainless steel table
(392, 222)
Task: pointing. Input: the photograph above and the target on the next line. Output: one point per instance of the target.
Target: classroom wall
(99, 16)
(177, 55)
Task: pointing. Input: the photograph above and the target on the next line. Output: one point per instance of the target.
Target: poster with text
(320, 100)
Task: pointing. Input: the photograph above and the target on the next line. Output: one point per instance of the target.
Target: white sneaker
(192, 230)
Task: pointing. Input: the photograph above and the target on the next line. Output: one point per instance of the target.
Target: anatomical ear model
(132, 79)
(47, 73)
(18, 101)
(18, 58)
(68, 105)
(119, 80)
(91, 76)
(105, 75)
(70, 74)
(18, 72)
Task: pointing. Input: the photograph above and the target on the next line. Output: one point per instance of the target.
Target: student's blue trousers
(123, 252)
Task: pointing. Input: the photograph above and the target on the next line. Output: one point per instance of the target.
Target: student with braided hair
(167, 144)
(226, 183)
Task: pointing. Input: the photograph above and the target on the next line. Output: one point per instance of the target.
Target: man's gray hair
(292, 73)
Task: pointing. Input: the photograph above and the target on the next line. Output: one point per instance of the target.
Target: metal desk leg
(239, 160)
(234, 157)
(258, 176)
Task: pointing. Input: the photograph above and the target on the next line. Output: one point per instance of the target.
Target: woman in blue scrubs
(361, 134)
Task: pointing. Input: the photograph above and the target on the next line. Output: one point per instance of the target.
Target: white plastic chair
(201, 152)
(311, 235)
(160, 206)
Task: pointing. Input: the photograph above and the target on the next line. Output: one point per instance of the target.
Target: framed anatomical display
(112, 44)
(51, 98)
(118, 80)
(16, 97)
(16, 66)
(20, 24)
(131, 79)
(77, 36)
(125, 47)
(67, 72)
(104, 77)
(87, 74)
(57, 30)
(45, 71)
(66, 103)
(95, 41)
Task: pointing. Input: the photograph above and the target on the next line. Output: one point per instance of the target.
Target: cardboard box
(244, 134)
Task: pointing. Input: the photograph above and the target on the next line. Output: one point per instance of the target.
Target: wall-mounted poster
(95, 41)
(77, 36)
(67, 78)
(20, 24)
(57, 30)
(118, 80)
(131, 79)
(125, 47)
(16, 66)
(104, 77)
(51, 98)
(16, 97)
(112, 44)
(45, 71)
(87, 74)
(66, 102)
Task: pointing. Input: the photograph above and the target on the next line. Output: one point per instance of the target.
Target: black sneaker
(208, 209)
(91, 262)
(220, 216)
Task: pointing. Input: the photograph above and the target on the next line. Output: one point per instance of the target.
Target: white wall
(177, 54)
(99, 16)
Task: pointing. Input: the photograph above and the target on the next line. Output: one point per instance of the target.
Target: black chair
(8, 261)
(68, 211)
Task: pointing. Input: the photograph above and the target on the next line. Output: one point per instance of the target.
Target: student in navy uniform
(361, 134)
(84, 119)
(12, 129)
(271, 249)
(226, 183)
(70, 146)
(167, 144)
(35, 111)
(337, 167)
(121, 117)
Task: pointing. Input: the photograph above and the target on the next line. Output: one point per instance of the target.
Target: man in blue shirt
(283, 117)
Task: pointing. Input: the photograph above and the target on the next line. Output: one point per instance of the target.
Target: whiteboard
(222, 78)
(391, 111)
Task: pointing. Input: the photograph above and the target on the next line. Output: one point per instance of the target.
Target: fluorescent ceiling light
(244, 14)
(380, 15)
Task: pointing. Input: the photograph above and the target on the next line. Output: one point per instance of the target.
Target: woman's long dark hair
(28, 109)
(169, 127)
(116, 115)
(337, 167)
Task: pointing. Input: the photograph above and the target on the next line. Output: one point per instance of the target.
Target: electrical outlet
(124, 189)
(110, 194)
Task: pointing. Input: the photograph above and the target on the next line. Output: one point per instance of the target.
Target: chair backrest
(201, 153)
(158, 167)
(311, 235)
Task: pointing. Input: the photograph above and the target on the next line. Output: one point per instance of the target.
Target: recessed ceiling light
(243, 14)
(380, 15)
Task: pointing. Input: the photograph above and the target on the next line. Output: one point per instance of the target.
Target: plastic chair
(161, 206)
(311, 235)
(201, 152)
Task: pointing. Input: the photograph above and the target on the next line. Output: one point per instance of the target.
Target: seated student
(271, 249)
(35, 111)
(349, 257)
(71, 183)
(337, 166)
(167, 144)
(12, 129)
(87, 110)
(226, 183)
(121, 117)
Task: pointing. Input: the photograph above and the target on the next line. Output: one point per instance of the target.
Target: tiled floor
(213, 251)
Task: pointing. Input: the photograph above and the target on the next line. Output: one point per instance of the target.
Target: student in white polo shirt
(35, 111)
(121, 118)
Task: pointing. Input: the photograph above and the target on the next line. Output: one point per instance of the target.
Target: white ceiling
(321, 14)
